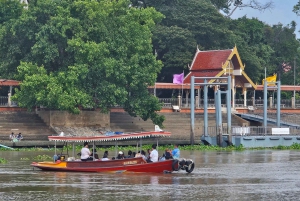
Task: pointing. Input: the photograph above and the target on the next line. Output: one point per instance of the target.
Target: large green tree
(187, 24)
(94, 54)
(283, 41)
(249, 36)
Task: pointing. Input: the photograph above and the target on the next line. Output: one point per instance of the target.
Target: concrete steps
(177, 123)
(29, 124)
(125, 123)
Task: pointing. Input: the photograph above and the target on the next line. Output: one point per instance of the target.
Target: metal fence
(3, 101)
(239, 103)
(249, 131)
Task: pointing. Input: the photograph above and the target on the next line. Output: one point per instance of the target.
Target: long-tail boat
(119, 165)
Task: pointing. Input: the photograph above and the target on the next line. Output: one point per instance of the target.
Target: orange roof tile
(210, 60)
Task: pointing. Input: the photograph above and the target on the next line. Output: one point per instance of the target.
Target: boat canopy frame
(116, 138)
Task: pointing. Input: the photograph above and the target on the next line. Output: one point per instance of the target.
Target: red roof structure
(5, 82)
(210, 60)
(219, 63)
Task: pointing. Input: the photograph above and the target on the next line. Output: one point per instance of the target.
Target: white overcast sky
(282, 12)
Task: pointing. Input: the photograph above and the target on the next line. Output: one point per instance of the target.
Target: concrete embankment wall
(85, 118)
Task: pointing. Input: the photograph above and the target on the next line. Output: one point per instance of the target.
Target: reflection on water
(246, 175)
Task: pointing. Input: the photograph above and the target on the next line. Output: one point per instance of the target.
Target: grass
(198, 147)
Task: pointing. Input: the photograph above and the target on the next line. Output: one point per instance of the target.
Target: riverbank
(145, 146)
(48, 144)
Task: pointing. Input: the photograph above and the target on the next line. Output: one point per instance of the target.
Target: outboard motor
(189, 166)
(184, 164)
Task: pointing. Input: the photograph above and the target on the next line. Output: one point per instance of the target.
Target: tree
(175, 57)
(283, 41)
(186, 25)
(84, 53)
(229, 6)
(249, 36)
(296, 8)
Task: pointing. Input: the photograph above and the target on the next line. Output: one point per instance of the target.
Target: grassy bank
(201, 147)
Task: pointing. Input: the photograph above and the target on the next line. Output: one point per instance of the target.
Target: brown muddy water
(234, 175)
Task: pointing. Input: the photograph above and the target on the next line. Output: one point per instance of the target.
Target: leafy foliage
(42, 157)
(90, 54)
(98, 54)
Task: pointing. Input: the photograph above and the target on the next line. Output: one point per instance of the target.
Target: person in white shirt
(105, 156)
(12, 136)
(85, 153)
(153, 155)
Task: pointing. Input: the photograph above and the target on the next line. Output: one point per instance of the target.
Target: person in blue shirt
(176, 152)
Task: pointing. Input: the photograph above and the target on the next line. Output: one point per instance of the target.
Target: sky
(282, 12)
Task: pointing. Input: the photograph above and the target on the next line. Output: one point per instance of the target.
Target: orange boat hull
(124, 165)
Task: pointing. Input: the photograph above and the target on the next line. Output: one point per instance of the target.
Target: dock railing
(251, 131)
(239, 103)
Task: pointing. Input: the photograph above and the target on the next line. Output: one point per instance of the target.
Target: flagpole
(182, 87)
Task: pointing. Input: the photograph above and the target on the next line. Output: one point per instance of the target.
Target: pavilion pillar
(186, 98)
(215, 92)
(9, 96)
(294, 102)
(179, 101)
(254, 98)
(199, 97)
(245, 96)
(271, 102)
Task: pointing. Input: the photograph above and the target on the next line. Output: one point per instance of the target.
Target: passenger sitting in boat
(143, 153)
(133, 154)
(129, 154)
(120, 155)
(105, 156)
(168, 154)
(148, 152)
(96, 156)
(153, 155)
(138, 154)
(162, 158)
(85, 153)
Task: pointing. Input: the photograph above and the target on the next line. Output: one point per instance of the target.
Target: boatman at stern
(153, 155)
(176, 152)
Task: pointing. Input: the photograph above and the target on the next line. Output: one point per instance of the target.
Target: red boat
(123, 165)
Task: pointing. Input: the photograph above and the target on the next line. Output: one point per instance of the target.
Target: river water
(234, 175)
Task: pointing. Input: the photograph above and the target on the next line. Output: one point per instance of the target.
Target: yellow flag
(271, 79)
